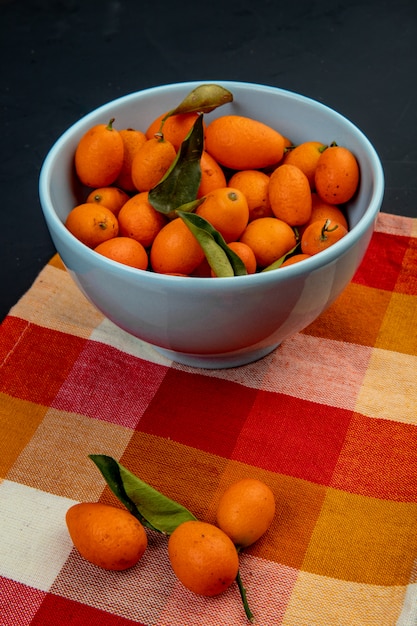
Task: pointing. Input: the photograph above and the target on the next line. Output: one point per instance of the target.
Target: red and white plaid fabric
(328, 421)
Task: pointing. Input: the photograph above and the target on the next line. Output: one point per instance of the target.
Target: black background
(61, 59)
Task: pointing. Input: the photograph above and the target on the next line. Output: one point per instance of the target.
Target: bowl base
(217, 361)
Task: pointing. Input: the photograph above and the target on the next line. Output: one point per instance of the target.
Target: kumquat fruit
(273, 202)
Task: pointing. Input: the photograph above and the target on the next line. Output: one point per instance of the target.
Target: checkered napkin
(328, 420)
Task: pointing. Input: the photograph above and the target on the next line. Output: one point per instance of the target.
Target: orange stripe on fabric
(398, 331)
(18, 423)
(56, 261)
(363, 540)
(355, 317)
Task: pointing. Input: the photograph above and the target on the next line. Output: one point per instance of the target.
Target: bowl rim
(325, 257)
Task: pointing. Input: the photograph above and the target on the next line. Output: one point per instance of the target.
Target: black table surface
(62, 58)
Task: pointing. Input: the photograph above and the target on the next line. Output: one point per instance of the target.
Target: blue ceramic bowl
(227, 322)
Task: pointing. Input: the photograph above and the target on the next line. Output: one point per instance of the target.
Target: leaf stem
(243, 595)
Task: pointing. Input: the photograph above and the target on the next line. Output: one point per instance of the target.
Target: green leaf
(188, 207)
(203, 99)
(276, 264)
(222, 260)
(180, 184)
(151, 507)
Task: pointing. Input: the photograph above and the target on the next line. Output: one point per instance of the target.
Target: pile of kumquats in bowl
(212, 220)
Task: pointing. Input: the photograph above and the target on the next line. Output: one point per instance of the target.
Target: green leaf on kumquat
(180, 184)
(151, 507)
(222, 260)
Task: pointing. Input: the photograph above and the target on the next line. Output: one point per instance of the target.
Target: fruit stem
(243, 595)
(160, 133)
(326, 229)
(110, 124)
